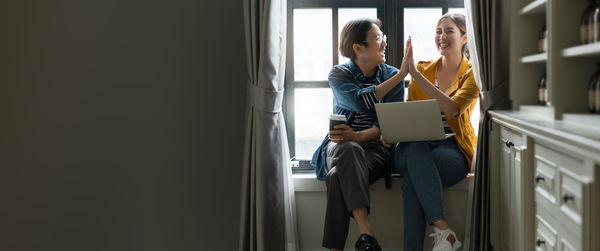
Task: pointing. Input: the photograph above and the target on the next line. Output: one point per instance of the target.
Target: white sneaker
(440, 240)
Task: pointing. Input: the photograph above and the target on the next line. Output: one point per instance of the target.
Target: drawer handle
(509, 144)
(538, 178)
(568, 197)
(540, 242)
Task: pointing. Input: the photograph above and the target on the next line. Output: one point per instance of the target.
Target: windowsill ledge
(308, 182)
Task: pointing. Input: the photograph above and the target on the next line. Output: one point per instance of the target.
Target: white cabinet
(544, 188)
(567, 203)
(515, 200)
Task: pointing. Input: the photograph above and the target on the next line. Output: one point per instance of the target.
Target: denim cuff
(430, 220)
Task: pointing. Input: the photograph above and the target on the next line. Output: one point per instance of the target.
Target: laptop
(410, 121)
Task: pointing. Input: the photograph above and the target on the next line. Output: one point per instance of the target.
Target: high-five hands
(408, 57)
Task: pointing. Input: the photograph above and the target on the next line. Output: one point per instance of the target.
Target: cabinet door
(512, 161)
(522, 195)
(505, 203)
(516, 192)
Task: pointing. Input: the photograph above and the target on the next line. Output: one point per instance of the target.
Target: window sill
(308, 182)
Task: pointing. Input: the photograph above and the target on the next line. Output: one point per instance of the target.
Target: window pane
(312, 109)
(458, 10)
(419, 23)
(312, 44)
(348, 14)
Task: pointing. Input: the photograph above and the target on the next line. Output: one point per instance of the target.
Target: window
(314, 27)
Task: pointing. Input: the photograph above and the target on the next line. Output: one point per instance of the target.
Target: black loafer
(367, 243)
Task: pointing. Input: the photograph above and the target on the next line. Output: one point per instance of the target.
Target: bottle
(542, 90)
(542, 39)
(583, 24)
(592, 92)
(594, 25)
(597, 93)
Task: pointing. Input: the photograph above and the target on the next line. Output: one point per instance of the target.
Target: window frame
(390, 12)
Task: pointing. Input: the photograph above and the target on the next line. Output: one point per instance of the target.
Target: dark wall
(121, 124)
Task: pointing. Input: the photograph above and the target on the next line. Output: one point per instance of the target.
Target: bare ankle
(361, 217)
(440, 224)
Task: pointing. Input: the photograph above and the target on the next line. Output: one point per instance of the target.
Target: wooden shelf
(534, 8)
(536, 58)
(586, 50)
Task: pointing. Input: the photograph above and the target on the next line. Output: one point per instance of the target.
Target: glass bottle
(583, 24)
(592, 92)
(597, 92)
(542, 39)
(542, 90)
(594, 25)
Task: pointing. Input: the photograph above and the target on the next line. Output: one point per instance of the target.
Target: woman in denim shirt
(428, 166)
(351, 156)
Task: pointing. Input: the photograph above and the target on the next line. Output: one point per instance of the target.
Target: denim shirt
(349, 98)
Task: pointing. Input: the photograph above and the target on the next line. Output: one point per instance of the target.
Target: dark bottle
(597, 92)
(594, 25)
(542, 90)
(585, 21)
(543, 39)
(592, 92)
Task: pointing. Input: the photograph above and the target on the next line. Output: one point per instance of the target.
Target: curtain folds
(267, 220)
(488, 26)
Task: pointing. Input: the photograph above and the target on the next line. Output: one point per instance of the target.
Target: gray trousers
(351, 168)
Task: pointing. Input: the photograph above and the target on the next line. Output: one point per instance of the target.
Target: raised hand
(404, 66)
(412, 67)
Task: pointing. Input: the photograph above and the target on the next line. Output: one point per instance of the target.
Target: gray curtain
(488, 27)
(267, 216)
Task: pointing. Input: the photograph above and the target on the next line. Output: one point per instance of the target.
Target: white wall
(121, 124)
(386, 213)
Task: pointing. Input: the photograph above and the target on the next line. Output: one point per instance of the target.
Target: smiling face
(374, 50)
(449, 39)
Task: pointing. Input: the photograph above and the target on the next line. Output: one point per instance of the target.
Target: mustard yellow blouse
(464, 92)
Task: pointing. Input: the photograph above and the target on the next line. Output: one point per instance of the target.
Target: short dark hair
(355, 32)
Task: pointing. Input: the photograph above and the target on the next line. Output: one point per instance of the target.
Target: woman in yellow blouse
(428, 166)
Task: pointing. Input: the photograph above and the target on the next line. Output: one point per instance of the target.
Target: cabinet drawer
(572, 205)
(546, 173)
(545, 235)
(566, 245)
(571, 194)
(508, 136)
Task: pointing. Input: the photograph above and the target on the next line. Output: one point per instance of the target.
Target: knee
(413, 146)
(349, 148)
(331, 175)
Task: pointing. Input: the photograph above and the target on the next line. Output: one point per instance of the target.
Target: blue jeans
(426, 168)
